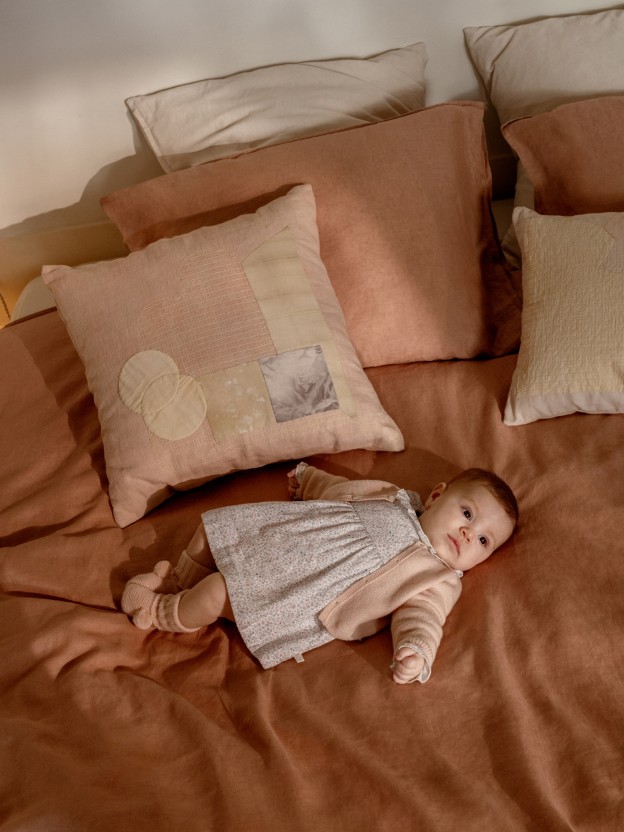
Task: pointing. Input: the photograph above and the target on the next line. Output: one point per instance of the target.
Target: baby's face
(465, 523)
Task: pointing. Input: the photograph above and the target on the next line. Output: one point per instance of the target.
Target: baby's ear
(438, 490)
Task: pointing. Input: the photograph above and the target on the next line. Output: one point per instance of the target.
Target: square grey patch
(299, 383)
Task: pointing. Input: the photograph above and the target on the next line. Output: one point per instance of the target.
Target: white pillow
(530, 68)
(219, 117)
(571, 357)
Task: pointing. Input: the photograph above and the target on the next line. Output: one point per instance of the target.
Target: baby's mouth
(454, 544)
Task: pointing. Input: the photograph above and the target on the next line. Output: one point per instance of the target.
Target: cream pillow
(219, 117)
(572, 350)
(218, 350)
(530, 68)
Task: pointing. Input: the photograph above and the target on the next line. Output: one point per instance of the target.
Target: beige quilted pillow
(205, 120)
(218, 350)
(572, 351)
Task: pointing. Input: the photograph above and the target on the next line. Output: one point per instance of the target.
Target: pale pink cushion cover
(404, 222)
(187, 345)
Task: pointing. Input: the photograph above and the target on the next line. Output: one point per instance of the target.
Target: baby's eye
(467, 514)
(483, 540)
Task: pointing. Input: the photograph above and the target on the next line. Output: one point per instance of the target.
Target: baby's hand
(293, 485)
(407, 665)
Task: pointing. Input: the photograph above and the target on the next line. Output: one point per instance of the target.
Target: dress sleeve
(418, 622)
(315, 484)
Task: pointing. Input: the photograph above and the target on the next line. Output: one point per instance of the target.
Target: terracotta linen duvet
(106, 727)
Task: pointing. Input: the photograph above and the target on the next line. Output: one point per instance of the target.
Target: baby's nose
(467, 533)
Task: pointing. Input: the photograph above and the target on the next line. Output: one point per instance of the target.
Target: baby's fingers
(293, 484)
(402, 676)
(403, 653)
(408, 668)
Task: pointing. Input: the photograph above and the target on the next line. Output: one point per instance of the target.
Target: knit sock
(159, 580)
(188, 572)
(144, 601)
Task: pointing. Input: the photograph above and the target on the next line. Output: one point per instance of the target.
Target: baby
(354, 556)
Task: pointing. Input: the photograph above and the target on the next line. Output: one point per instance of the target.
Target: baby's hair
(497, 487)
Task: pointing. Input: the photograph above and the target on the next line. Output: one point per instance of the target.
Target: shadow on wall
(74, 234)
(120, 174)
(143, 166)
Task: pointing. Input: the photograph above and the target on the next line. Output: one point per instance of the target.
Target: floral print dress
(283, 562)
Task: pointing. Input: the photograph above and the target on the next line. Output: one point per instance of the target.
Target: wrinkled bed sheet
(105, 727)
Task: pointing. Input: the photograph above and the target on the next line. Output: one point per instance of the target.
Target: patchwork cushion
(221, 349)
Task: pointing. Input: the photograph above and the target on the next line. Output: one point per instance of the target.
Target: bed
(441, 355)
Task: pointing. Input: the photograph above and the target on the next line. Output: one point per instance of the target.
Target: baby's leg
(182, 612)
(199, 550)
(194, 565)
(148, 606)
(196, 562)
(205, 602)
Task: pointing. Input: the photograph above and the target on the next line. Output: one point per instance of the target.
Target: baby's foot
(149, 605)
(140, 592)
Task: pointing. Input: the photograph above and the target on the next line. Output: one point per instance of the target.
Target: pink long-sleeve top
(414, 591)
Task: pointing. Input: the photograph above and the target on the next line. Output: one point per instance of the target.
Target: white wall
(66, 66)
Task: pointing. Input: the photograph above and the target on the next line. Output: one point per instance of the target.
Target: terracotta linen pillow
(404, 222)
(573, 156)
(571, 357)
(218, 350)
(195, 123)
